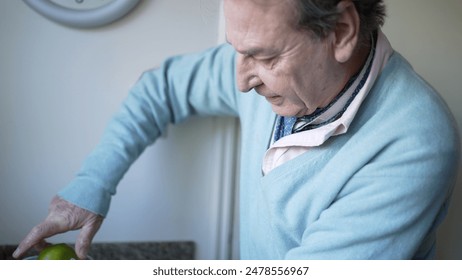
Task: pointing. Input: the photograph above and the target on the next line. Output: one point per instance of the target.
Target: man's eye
(268, 62)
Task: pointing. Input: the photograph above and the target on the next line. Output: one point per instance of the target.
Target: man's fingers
(21, 250)
(88, 231)
(36, 237)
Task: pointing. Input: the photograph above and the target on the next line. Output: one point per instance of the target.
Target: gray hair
(320, 16)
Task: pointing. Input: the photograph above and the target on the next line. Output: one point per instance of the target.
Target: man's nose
(247, 76)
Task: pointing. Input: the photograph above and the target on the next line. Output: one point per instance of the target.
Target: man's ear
(346, 31)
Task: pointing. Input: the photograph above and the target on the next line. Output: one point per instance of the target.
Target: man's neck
(352, 67)
(358, 60)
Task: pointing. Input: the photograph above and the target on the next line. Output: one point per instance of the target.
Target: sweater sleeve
(198, 84)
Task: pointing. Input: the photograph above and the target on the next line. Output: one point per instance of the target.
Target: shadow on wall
(449, 243)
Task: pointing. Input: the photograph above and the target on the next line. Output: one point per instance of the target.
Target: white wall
(429, 34)
(58, 88)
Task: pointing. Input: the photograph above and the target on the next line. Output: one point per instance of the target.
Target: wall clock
(82, 13)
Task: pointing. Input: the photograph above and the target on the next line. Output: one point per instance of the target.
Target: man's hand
(63, 216)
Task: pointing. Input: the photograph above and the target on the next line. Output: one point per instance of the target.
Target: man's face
(290, 68)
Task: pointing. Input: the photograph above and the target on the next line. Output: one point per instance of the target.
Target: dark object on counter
(127, 251)
(143, 251)
(7, 250)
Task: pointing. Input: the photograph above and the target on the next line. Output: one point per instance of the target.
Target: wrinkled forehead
(259, 15)
(253, 25)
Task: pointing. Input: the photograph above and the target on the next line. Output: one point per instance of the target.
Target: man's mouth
(274, 99)
(270, 97)
(266, 95)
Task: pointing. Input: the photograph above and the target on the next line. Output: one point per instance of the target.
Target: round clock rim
(83, 18)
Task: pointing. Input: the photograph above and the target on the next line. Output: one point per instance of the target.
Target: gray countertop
(175, 250)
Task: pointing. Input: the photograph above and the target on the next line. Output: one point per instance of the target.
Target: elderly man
(346, 152)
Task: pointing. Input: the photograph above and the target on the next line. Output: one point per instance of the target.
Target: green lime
(58, 252)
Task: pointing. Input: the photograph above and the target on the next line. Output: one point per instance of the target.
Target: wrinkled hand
(63, 216)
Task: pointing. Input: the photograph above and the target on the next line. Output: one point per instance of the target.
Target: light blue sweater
(377, 192)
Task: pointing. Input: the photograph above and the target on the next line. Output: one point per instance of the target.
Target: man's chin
(282, 111)
(287, 111)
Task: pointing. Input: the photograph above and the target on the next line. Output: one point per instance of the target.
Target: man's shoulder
(400, 91)
(403, 106)
(402, 82)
